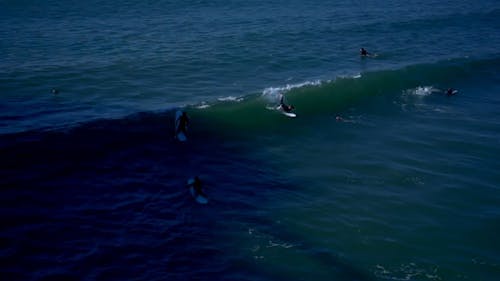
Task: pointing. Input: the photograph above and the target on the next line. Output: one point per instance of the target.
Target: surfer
(451, 92)
(363, 52)
(196, 184)
(183, 123)
(284, 107)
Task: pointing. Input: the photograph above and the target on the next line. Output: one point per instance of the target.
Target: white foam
(354, 76)
(406, 272)
(274, 93)
(282, 245)
(203, 105)
(422, 91)
(230, 98)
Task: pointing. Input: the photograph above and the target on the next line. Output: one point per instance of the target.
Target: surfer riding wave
(285, 107)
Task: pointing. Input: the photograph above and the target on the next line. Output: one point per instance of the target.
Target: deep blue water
(404, 187)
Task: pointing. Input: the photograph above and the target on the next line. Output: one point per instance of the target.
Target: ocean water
(381, 176)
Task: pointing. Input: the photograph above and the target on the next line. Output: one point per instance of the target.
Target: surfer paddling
(447, 92)
(451, 92)
(363, 52)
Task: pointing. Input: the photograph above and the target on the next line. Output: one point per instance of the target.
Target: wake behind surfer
(285, 107)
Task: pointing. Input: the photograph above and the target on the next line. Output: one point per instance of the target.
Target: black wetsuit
(197, 187)
(183, 123)
(286, 108)
(451, 92)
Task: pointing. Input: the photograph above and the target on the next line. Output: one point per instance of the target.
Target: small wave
(312, 97)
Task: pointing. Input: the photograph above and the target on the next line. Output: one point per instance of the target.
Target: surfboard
(288, 114)
(180, 136)
(197, 197)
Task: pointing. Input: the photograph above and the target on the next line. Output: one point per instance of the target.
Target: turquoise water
(405, 186)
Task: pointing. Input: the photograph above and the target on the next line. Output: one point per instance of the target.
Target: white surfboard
(197, 197)
(288, 114)
(179, 135)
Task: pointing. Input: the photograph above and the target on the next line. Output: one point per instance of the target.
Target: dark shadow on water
(106, 201)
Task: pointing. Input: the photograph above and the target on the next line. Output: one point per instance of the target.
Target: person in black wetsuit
(196, 184)
(451, 92)
(286, 108)
(363, 52)
(183, 123)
